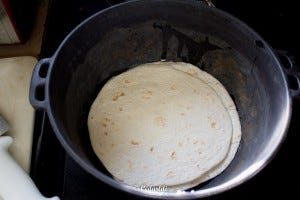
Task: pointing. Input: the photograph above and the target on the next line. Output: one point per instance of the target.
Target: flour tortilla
(230, 106)
(155, 125)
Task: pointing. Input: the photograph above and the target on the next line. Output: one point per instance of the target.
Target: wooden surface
(15, 76)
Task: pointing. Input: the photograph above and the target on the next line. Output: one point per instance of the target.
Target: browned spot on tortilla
(92, 117)
(133, 142)
(196, 91)
(149, 92)
(121, 180)
(213, 124)
(127, 81)
(104, 125)
(180, 144)
(188, 107)
(146, 97)
(151, 149)
(160, 121)
(173, 155)
(199, 151)
(107, 119)
(112, 145)
(115, 98)
(120, 108)
(195, 142)
(170, 174)
(106, 133)
(182, 113)
(173, 87)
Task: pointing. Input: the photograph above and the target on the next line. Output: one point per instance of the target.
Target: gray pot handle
(37, 86)
(209, 3)
(292, 72)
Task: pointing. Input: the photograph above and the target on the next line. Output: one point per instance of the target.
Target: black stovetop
(55, 173)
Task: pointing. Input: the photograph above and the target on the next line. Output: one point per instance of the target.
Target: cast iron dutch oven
(137, 32)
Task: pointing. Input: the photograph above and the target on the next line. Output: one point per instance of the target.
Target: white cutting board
(15, 76)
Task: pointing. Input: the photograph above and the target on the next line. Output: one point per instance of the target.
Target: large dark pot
(132, 33)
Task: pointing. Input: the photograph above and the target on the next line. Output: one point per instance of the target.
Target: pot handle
(209, 3)
(15, 184)
(37, 86)
(292, 72)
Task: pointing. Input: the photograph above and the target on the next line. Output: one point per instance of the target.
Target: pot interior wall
(126, 36)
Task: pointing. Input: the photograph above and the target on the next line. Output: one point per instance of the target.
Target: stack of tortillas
(164, 123)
